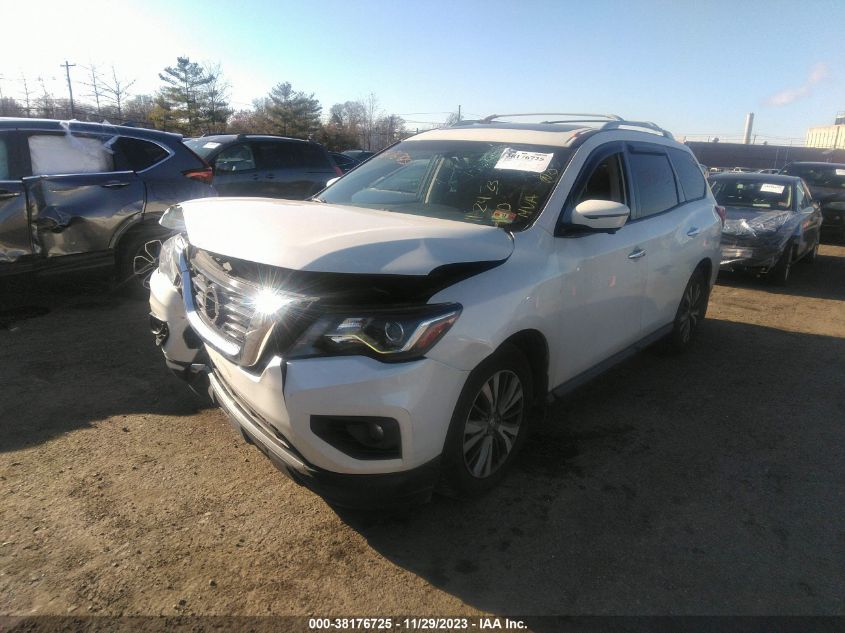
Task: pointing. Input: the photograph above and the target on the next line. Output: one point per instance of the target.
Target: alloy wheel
(493, 423)
(145, 262)
(691, 309)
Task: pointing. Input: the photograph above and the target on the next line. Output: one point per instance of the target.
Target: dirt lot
(712, 483)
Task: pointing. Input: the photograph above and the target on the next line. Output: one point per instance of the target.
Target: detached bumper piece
(409, 487)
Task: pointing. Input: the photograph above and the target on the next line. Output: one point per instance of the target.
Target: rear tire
(488, 425)
(691, 311)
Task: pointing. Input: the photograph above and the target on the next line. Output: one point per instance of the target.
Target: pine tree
(291, 113)
(184, 94)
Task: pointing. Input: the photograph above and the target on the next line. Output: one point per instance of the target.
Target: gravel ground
(712, 483)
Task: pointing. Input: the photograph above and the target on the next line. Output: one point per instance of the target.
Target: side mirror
(600, 215)
(332, 181)
(817, 205)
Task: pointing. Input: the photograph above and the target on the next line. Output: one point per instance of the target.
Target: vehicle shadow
(73, 351)
(821, 280)
(708, 483)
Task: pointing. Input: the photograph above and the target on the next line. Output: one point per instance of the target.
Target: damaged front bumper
(746, 253)
(181, 347)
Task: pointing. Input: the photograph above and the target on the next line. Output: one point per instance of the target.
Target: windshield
(759, 194)
(832, 176)
(497, 184)
(201, 146)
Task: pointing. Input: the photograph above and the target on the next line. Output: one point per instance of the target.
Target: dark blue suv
(87, 195)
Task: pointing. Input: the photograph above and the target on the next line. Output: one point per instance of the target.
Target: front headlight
(173, 218)
(389, 335)
(168, 258)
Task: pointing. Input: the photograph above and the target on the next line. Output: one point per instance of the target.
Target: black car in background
(344, 162)
(827, 184)
(88, 195)
(771, 222)
(358, 154)
(265, 166)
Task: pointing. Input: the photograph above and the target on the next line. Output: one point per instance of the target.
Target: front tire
(488, 425)
(691, 311)
(813, 256)
(779, 274)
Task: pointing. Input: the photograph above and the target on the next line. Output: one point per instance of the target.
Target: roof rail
(601, 117)
(609, 121)
(648, 125)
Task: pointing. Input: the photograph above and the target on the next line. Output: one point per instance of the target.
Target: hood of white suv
(318, 237)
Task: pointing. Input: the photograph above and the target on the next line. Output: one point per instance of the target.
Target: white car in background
(393, 335)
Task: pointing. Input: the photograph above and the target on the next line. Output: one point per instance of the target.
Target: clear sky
(695, 67)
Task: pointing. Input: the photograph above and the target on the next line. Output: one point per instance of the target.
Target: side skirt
(584, 377)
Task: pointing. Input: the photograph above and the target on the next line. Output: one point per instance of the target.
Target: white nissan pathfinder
(392, 336)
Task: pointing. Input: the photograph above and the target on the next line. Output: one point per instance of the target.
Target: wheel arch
(533, 344)
(706, 266)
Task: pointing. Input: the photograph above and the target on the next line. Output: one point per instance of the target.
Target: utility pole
(67, 68)
(459, 113)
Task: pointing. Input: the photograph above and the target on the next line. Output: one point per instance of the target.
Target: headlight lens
(389, 335)
(173, 218)
(168, 258)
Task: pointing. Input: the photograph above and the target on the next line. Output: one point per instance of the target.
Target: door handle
(269, 176)
(637, 254)
(6, 195)
(693, 231)
(114, 185)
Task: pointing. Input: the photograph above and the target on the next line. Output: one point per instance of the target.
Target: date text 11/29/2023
(414, 624)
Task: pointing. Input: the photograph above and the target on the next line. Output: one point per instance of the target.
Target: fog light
(376, 431)
(159, 330)
(360, 437)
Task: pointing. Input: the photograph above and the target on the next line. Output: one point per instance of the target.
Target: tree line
(194, 99)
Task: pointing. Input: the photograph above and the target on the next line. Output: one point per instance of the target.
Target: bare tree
(45, 101)
(26, 95)
(96, 86)
(371, 107)
(117, 91)
(217, 110)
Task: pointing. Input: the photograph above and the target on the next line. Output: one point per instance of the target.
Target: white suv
(394, 334)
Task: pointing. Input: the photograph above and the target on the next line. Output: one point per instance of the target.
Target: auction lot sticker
(523, 161)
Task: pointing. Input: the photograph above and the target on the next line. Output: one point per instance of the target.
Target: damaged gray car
(771, 222)
(82, 196)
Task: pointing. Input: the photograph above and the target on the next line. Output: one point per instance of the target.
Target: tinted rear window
(274, 155)
(689, 173)
(654, 182)
(4, 160)
(140, 154)
(314, 156)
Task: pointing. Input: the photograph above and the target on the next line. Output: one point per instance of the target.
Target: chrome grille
(221, 307)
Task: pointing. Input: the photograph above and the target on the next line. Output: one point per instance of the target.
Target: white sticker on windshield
(772, 188)
(211, 145)
(840, 172)
(524, 161)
